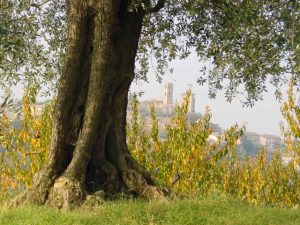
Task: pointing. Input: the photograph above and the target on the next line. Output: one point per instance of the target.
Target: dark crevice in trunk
(74, 121)
(123, 8)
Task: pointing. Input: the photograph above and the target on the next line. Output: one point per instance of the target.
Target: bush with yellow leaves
(185, 161)
(25, 146)
(291, 113)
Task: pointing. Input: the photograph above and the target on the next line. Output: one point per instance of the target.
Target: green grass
(208, 210)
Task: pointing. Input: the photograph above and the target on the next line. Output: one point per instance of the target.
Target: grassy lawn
(208, 210)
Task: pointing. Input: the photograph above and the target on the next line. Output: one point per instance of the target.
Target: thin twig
(159, 5)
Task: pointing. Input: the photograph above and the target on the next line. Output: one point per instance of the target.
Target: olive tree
(109, 43)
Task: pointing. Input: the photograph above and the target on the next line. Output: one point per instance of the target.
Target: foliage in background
(186, 161)
(258, 181)
(32, 43)
(244, 44)
(24, 144)
(291, 130)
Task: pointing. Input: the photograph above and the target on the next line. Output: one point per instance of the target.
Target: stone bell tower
(168, 94)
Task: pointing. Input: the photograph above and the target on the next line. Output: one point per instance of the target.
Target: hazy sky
(263, 118)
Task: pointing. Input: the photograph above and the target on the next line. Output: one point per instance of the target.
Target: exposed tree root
(66, 194)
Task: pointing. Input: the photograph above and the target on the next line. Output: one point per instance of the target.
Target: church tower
(192, 103)
(168, 94)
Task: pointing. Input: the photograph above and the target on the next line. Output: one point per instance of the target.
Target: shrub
(25, 146)
(291, 130)
(188, 163)
(185, 161)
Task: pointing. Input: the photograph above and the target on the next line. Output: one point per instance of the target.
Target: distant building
(153, 102)
(192, 103)
(270, 142)
(168, 94)
(164, 109)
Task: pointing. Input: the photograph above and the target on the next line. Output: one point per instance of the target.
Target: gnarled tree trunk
(88, 150)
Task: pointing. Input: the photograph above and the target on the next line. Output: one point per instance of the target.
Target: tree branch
(159, 5)
(4, 104)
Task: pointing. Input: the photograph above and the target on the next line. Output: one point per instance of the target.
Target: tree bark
(88, 149)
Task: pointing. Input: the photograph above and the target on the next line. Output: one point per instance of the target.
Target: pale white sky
(263, 118)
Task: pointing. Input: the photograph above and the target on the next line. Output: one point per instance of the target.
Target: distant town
(249, 144)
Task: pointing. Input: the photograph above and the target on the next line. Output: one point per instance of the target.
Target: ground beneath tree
(198, 210)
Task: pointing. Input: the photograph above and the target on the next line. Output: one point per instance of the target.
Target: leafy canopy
(242, 43)
(32, 42)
